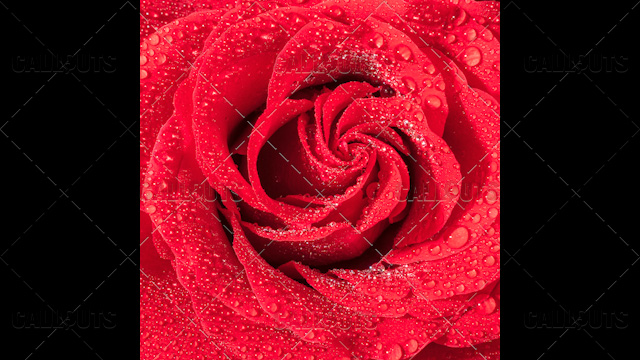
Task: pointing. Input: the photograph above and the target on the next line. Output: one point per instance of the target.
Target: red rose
(323, 177)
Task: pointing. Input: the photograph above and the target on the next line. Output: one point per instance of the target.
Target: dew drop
(161, 59)
(487, 306)
(489, 260)
(143, 59)
(472, 56)
(409, 83)
(154, 39)
(433, 101)
(460, 17)
(491, 197)
(395, 353)
(143, 74)
(150, 209)
(486, 35)
(403, 52)
(148, 194)
(412, 346)
(336, 11)
(471, 34)
(376, 40)
(430, 69)
(492, 213)
(458, 237)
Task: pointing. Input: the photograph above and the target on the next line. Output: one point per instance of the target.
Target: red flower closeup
(320, 179)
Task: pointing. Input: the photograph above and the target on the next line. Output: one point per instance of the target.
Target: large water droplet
(403, 52)
(486, 35)
(471, 34)
(489, 260)
(395, 353)
(150, 209)
(154, 39)
(430, 68)
(412, 346)
(472, 56)
(409, 83)
(458, 237)
(376, 40)
(161, 59)
(491, 197)
(433, 101)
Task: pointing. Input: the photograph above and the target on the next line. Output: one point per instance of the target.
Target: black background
(68, 146)
(568, 190)
(69, 151)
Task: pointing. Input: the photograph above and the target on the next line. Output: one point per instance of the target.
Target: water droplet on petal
(143, 59)
(144, 74)
(472, 56)
(161, 59)
(486, 35)
(471, 34)
(403, 52)
(433, 101)
(491, 197)
(154, 39)
(336, 11)
(376, 40)
(395, 353)
(487, 306)
(489, 260)
(412, 346)
(150, 209)
(458, 237)
(430, 69)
